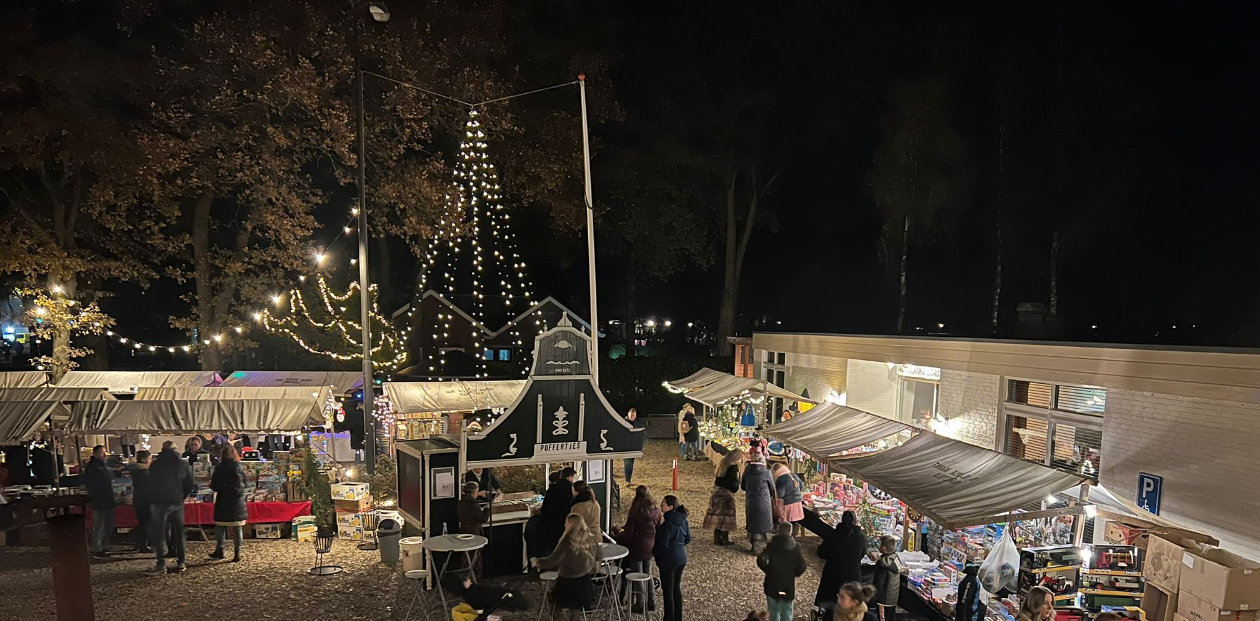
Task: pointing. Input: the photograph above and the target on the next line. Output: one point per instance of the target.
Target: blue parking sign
(1150, 488)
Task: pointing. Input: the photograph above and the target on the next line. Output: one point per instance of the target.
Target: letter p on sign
(1150, 490)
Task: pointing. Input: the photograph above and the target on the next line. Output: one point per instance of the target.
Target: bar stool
(640, 583)
(609, 576)
(548, 579)
(419, 576)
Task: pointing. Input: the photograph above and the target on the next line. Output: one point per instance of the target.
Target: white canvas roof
(341, 381)
(129, 381)
(418, 397)
(711, 387)
(52, 393)
(19, 420)
(23, 379)
(830, 428)
(953, 482)
(266, 415)
(320, 393)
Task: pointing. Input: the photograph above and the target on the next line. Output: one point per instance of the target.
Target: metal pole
(365, 306)
(590, 234)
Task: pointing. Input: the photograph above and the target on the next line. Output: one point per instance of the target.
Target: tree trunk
(207, 322)
(629, 325)
(905, 256)
(1054, 275)
(730, 283)
(1001, 178)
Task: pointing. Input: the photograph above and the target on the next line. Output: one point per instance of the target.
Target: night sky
(1169, 92)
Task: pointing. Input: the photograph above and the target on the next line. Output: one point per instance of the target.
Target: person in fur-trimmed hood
(783, 563)
(851, 605)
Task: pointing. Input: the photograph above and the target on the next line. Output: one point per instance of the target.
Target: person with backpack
(782, 563)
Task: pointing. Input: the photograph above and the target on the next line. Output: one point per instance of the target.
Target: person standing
(584, 505)
(228, 483)
(692, 436)
(721, 518)
(556, 504)
(574, 559)
(783, 564)
(887, 580)
(842, 549)
(638, 536)
(670, 551)
(787, 488)
(472, 514)
(487, 485)
(968, 606)
(1038, 605)
(141, 499)
(171, 481)
(632, 417)
(758, 501)
(196, 448)
(682, 432)
(99, 480)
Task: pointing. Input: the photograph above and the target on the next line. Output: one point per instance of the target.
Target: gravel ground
(719, 584)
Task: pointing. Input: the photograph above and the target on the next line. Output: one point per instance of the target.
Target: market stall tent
(130, 381)
(421, 397)
(23, 379)
(954, 483)
(340, 381)
(53, 393)
(176, 416)
(713, 388)
(831, 428)
(20, 420)
(319, 393)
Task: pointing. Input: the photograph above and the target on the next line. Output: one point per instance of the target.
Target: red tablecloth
(202, 513)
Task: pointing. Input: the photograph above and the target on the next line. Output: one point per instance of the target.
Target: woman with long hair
(1038, 605)
(787, 488)
(584, 504)
(670, 551)
(639, 535)
(720, 517)
(228, 483)
(574, 559)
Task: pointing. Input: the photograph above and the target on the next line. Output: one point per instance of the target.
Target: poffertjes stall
(560, 416)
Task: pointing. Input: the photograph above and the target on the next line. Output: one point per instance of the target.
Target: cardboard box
(305, 533)
(1158, 604)
(1221, 578)
(1163, 561)
(353, 533)
(356, 506)
(267, 531)
(1121, 534)
(345, 518)
(1195, 609)
(349, 491)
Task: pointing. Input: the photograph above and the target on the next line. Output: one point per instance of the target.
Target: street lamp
(380, 14)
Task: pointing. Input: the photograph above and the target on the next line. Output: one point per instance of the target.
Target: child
(851, 605)
(887, 580)
(969, 607)
(783, 564)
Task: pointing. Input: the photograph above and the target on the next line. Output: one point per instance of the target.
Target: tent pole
(1078, 534)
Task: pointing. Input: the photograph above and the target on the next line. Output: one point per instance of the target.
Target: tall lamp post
(379, 13)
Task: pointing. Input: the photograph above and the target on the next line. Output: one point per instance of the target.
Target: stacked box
(354, 533)
(346, 518)
(303, 528)
(357, 506)
(267, 531)
(349, 491)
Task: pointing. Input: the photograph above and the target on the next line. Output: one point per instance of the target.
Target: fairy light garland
(472, 226)
(388, 353)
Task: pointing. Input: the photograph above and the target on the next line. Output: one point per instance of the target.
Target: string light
(389, 352)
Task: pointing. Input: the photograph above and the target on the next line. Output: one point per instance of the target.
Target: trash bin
(412, 553)
(388, 532)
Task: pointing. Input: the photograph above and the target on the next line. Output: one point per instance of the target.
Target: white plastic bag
(1001, 568)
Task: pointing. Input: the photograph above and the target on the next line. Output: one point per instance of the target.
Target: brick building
(1111, 412)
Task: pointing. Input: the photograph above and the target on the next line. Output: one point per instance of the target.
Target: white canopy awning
(19, 420)
(319, 393)
(340, 381)
(953, 482)
(23, 379)
(130, 381)
(174, 416)
(711, 387)
(53, 393)
(830, 428)
(418, 397)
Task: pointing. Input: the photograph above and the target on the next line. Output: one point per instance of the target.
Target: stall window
(505, 355)
(411, 488)
(487, 354)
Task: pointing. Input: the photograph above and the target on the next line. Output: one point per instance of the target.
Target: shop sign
(914, 371)
(558, 448)
(1149, 491)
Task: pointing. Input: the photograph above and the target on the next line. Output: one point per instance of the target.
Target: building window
(1056, 425)
(917, 403)
(1080, 399)
(1035, 394)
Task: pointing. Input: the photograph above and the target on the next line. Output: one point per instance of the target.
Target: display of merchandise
(419, 428)
(1054, 567)
(1111, 575)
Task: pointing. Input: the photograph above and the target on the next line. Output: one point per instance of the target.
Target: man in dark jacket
(842, 549)
(99, 480)
(783, 563)
(556, 505)
(196, 448)
(142, 500)
(170, 482)
(472, 514)
(694, 451)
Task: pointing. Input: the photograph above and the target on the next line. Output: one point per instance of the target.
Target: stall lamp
(350, 473)
(1051, 499)
(1091, 511)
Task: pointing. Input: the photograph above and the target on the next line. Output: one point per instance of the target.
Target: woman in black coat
(842, 549)
(228, 483)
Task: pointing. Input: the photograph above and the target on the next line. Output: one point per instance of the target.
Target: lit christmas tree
(480, 268)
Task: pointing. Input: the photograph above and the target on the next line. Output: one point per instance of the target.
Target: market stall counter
(202, 513)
